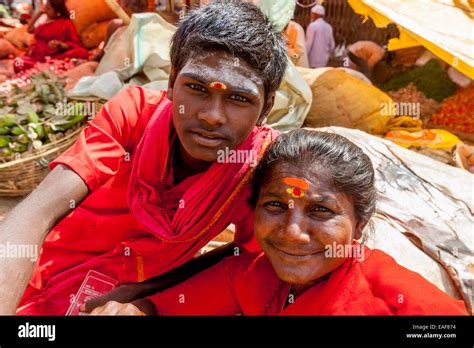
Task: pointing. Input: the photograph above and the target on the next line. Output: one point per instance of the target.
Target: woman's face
(299, 214)
(50, 11)
(208, 116)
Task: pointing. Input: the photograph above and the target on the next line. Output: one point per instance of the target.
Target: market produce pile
(411, 94)
(22, 79)
(442, 103)
(457, 112)
(33, 115)
(431, 79)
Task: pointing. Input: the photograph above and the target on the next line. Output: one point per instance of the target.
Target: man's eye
(197, 87)
(238, 98)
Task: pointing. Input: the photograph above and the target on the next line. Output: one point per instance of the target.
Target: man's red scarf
(164, 225)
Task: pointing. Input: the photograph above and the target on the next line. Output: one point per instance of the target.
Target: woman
(56, 38)
(313, 194)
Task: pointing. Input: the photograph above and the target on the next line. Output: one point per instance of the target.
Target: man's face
(209, 116)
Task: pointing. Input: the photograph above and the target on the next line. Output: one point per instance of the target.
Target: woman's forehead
(314, 175)
(315, 182)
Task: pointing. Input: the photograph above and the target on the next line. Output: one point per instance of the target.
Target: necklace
(288, 300)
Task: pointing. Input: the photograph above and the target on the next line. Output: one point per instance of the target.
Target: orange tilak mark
(217, 85)
(300, 183)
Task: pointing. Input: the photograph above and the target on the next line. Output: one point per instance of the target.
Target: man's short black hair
(240, 29)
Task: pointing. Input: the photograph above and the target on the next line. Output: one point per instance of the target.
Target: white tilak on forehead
(225, 72)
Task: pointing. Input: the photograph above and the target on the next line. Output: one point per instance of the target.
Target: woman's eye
(274, 206)
(197, 87)
(238, 98)
(321, 209)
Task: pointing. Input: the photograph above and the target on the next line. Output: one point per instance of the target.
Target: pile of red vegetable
(22, 79)
(457, 112)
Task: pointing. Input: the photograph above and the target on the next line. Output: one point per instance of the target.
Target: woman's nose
(296, 228)
(213, 114)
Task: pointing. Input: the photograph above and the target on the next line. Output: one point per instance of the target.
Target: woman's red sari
(61, 29)
(137, 223)
(247, 284)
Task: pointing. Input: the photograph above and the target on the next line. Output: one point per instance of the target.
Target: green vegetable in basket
(17, 147)
(5, 152)
(4, 130)
(17, 130)
(25, 108)
(36, 128)
(4, 140)
(22, 139)
(33, 117)
(63, 125)
(7, 120)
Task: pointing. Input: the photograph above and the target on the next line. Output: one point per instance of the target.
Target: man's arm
(29, 223)
(131, 292)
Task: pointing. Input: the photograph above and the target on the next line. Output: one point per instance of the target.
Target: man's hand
(130, 292)
(122, 294)
(138, 307)
(116, 308)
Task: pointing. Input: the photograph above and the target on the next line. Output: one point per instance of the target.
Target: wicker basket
(21, 176)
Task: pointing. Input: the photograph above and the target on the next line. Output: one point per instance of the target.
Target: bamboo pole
(114, 6)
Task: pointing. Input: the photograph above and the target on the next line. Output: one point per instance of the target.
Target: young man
(149, 169)
(319, 39)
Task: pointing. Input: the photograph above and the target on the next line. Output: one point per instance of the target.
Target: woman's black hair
(350, 168)
(237, 28)
(60, 7)
(136, 6)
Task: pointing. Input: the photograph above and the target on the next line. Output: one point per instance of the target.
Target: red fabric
(61, 29)
(117, 156)
(247, 283)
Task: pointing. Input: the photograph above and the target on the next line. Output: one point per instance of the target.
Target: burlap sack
(340, 99)
(86, 12)
(94, 34)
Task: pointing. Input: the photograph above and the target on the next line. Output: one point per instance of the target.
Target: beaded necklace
(272, 297)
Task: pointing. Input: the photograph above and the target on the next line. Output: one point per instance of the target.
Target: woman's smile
(298, 254)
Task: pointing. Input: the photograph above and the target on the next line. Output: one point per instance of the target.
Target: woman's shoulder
(405, 292)
(248, 265)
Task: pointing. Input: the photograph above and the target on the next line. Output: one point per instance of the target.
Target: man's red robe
(137, 224)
